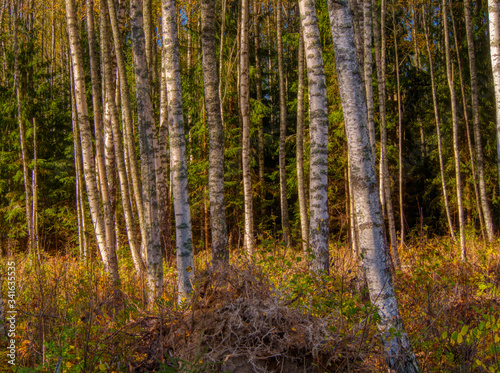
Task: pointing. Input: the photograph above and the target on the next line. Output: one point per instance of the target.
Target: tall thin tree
(220, 251)
(178, 160)
(318, 128)
(397, 346)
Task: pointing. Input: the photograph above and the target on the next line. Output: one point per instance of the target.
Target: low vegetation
(269, 313)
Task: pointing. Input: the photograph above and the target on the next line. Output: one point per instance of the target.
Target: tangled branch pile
(237, 323)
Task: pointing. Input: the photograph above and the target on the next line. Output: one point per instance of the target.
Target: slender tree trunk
(118, 146)
(35, 195)
(185, 262)
(128, 132)
(467, 127)
(258, 81)
(220, 251)
(485, 202)
(438, 131)
(245, 117)
(301, 190)
(494, 28)
(147, 143)
(22, 131)
(162, 169)
(285, 224)
(98, 130)
(456, 150)
(385, 181)
(367, 67)
(318, 124)
(108, 255)
(401, 135)
(397, 347)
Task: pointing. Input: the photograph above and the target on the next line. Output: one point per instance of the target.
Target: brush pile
(236, 322)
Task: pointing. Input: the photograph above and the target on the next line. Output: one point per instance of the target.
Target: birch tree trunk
(108, 255)
(397, 347)
(456, 150)
(98, 130)
(400, 137)
(22, 131)
(258, 81)
(147, 143)
(494, 27)
(162, 169)
(128, 132)
(385, 181)
(118, 145)
(367, 67)
(318, 127)
(485, 202)
(245, 117)
(285, 224)
(301, 190)
(220, 251)
(178, 161)
(438, 130)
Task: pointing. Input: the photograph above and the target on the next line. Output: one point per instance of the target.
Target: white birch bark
(397, 347)
(220, 250)
(367, 67)
(245, 118)
(304, 223)
(494, 27)
(86, 140)
(318, 127)
(178, 161)
(118, 145)
(147, 143)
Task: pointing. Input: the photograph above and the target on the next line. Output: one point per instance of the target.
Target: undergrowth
(68, 314)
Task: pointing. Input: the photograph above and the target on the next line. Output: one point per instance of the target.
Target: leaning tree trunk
(245, 118)
(147, 143)
(118, 145)
(304, 223)
(285, 224)
(128, 132)
(494, 26)
(438, 131)
(370, 230)
(98, 129)
(385, 181)
(220, 251)
(456, 149)
(485, 203)
(178, 161)
(108, 256)
(318, 127)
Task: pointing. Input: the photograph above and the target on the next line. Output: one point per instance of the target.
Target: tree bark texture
(397, 347)
(220, 250)
(108, 255)
(178, 160)
(245, 118)
(318, 127)
(147, 144)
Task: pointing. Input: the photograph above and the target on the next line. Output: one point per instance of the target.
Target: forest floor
(270, 314)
